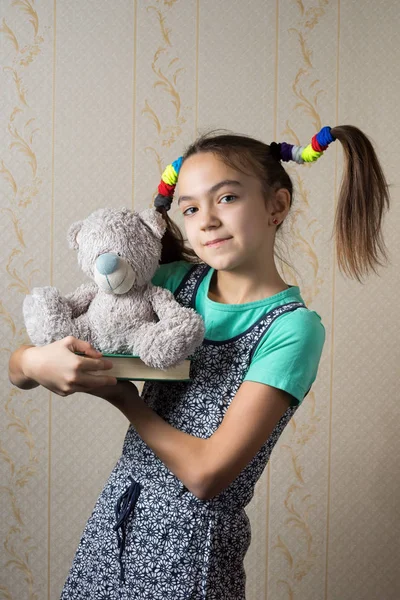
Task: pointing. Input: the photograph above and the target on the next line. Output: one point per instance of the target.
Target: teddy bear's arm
(162, 301)
(80, 299)
(175, 336)
(167, 308)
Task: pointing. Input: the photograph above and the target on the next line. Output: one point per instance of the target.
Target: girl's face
(225, 214)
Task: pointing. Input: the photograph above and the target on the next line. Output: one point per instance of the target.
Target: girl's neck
(230, 287)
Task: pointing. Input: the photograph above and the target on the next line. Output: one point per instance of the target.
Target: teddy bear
(119, 310)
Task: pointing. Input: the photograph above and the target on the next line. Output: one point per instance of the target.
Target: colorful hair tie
(275, 150)
(302, 154)
(167, 184)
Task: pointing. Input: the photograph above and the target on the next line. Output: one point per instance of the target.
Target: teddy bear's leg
(48, 316)
(170, 341)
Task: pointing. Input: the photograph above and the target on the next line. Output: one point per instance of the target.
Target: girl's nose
(209, 218)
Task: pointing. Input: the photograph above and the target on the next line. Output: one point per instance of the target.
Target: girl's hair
(363, 195)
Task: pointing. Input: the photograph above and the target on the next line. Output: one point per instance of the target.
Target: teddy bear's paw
(188, 328)
(47, 316)
(170, 341)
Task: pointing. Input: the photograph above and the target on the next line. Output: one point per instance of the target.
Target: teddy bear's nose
(107, 263)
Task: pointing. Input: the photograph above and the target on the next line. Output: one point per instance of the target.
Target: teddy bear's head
(119, 249)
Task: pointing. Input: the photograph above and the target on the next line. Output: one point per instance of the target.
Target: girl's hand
(57, 367)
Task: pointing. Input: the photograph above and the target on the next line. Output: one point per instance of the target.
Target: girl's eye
(229, 198)
(187, 212)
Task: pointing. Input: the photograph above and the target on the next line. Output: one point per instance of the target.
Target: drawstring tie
(125, 505)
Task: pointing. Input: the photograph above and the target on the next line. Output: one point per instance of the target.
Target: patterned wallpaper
(96, 98)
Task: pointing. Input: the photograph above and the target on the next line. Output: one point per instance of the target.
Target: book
(128, 366)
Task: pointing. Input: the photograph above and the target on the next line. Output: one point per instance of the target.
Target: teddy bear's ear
(154, 220)
(73, 234)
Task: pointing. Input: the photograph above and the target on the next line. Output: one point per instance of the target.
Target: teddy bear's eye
(119, 253)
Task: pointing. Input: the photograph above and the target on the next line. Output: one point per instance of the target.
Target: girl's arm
(17, 369)
(207, 466)
(58, 368)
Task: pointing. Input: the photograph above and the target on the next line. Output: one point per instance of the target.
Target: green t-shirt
(288, 355)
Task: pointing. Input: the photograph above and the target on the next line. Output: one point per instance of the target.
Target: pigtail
(363, 198)
(173, 243)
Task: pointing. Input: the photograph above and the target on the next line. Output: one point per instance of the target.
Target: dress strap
(187, 289)
(261, 326)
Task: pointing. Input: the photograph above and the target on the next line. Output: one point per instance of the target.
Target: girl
(170, 523)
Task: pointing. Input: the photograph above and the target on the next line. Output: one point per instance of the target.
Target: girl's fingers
(91, 361)
(94, 364)
(88, 382)
(76, 345)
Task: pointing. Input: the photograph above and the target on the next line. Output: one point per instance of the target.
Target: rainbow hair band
(167, 185)
(280, 151)
(302, 154)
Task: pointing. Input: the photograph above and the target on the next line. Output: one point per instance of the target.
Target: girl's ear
(154, 220)
(73, 234)
(280, 203)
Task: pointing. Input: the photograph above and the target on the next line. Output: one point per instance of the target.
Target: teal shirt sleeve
(170, 275)
(288, 356)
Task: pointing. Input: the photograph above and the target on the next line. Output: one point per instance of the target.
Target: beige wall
(95, 97)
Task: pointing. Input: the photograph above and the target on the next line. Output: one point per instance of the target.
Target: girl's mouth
(216, 242)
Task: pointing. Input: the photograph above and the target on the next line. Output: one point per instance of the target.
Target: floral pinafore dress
(148, 537)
